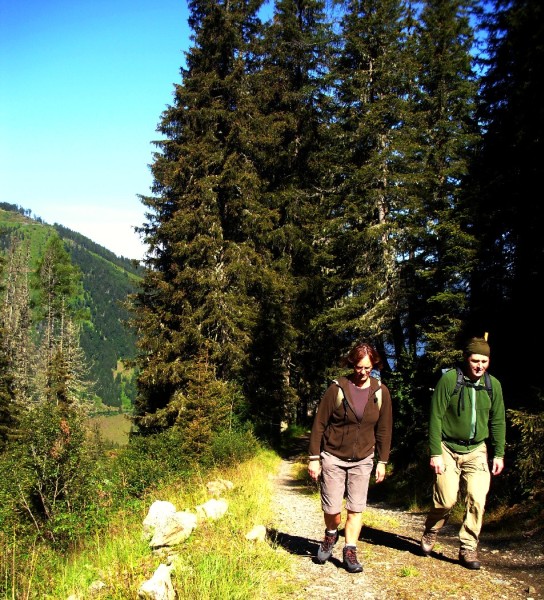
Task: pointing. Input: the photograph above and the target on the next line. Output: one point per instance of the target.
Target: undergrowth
(113, 559)
(215, 562)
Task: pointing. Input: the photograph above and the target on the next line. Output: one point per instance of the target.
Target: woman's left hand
(380, 472)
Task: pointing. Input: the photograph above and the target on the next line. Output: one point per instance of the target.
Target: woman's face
(361, 371)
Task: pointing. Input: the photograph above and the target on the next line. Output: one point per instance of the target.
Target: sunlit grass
(215, 562)
(380, 520)
(408, 571)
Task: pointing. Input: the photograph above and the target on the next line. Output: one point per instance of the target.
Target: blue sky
(83, 84)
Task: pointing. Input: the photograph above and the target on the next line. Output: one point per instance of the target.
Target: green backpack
(342, 398)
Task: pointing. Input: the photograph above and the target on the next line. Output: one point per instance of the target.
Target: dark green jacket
(450, 417)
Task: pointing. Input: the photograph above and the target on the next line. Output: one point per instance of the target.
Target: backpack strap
(341, 398)
(487, 385)
(461, 383)
(460, 387)
(378, 396)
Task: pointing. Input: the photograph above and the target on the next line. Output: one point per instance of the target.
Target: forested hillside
(106, 280)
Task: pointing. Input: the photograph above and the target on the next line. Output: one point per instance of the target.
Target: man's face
(477, 365)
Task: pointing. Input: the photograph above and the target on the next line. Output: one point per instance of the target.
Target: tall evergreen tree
(373, 79)
(17, 323)
(290, 131)
(17, 349)
(505, 208)
(375, 74)
(61, 368)
(440, 250)
(198, 296)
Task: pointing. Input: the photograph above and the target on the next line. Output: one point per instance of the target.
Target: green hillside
(107, 281)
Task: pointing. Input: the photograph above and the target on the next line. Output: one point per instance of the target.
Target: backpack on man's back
(462, 383)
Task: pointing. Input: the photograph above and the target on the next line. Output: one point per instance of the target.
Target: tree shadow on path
(402, 543)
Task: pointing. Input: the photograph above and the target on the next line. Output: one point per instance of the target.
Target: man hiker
(467, 410)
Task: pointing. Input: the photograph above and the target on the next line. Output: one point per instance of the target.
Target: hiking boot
(325, 549)
(350, 560)
(468, 558)
(427, 542)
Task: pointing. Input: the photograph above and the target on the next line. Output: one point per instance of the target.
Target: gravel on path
(394, 568)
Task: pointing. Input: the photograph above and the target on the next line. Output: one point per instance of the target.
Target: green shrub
(233, 446)
(50, 482)
(151, 459)
(529, 451)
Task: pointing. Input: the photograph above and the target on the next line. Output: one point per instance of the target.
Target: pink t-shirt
(360, 398)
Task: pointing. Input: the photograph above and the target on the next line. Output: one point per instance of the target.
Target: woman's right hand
(314, 469)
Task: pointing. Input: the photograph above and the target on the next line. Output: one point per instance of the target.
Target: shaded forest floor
(512, 556)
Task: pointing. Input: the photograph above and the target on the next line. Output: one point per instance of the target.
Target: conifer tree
(373, 75)
(198, 296)
(17, 323)
(61, 369)
(17, 350)
(290, 127)
(445, 135)
(501, 199)
(43, 401)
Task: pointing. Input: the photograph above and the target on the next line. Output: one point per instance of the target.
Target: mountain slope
(107, 281)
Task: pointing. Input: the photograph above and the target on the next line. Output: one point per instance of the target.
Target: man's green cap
(477, 346)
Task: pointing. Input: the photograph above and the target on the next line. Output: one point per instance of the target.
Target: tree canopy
(336, 173)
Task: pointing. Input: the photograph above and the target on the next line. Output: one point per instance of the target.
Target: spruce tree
(16, 318)
(291, 134)
(61, 370)
(441, 249)
(506, 210)
(198, 295)
(373, 78)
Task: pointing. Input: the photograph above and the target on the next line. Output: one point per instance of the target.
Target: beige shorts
(342, 479)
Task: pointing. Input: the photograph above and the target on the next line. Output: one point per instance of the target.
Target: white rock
(258, 533)
(213, 509)
(173, 529)
(159, 587)
(158, 512)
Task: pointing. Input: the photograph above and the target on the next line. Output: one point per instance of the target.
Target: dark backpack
(461, 383)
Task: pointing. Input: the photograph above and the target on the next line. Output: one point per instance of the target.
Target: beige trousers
(472, 470)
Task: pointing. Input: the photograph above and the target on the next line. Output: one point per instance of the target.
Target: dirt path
(512, 568)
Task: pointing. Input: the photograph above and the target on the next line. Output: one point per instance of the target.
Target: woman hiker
(352, 427)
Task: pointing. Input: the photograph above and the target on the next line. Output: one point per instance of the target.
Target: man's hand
(437, 464)
(498, 466)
